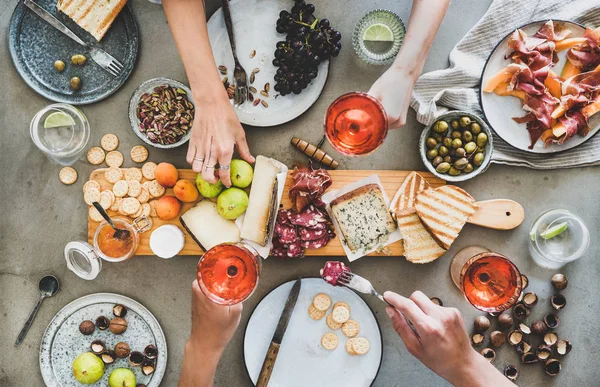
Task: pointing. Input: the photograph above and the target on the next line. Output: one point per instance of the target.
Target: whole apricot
(168, 207)
(185, 191)
(166, 175)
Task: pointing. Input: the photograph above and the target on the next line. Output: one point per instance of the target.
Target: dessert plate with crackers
(332, 339)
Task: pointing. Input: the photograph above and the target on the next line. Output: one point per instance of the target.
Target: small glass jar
(379, 52)
(85, 259)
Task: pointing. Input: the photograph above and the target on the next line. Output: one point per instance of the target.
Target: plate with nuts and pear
(457, 146)
(103, 339)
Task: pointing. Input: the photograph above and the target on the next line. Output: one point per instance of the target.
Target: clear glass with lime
(557, 237)
(61, 131)
(378, 36)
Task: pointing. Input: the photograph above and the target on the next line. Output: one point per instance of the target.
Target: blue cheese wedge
(363, 217)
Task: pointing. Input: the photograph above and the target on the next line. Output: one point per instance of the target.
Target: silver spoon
(119, 232)
(48, 288)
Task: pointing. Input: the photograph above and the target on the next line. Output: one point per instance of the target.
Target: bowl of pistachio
(457, 146)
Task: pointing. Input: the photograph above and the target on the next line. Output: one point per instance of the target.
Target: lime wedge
(554, 230)
(532, 235)
(57, 119)
(378, 33)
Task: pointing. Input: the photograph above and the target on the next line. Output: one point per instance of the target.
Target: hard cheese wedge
(262, 202)
(207, 227)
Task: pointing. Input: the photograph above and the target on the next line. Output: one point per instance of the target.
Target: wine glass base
(460, 259)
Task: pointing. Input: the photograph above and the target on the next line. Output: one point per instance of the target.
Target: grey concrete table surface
(39, 215)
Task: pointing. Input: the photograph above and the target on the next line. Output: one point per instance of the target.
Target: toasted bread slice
(94, 16)
(404, 200)
(419, 245)
(444, 211)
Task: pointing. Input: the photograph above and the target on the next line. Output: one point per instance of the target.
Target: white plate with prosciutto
(540, 88)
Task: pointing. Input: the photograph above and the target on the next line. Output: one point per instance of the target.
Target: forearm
(199, 366)
(187, 21)
(477, 372)
(425, 19)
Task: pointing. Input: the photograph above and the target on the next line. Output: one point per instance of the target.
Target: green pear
(88, 368)
(208, 190)
(232, 203)
(241, 173)
(122, 377)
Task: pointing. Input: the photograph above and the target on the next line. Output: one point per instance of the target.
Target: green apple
(241, 173)
(232, 203)
(88, 368)
(206, 189)
(121, 377)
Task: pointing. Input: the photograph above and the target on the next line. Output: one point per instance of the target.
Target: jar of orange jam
(85, 260)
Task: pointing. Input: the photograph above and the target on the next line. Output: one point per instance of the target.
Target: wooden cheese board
(390, 180)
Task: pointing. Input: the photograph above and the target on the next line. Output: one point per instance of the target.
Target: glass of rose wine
(490, 282)
(228, 273)
(356, 124)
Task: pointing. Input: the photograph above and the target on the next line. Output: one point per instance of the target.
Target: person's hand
(394, 90)
(443, 345)
(212, 325)
(215, 132)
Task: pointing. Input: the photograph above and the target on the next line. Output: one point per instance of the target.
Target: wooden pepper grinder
(315, 152)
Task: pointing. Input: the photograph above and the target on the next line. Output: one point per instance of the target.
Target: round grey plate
(34, 46)
(62, 342)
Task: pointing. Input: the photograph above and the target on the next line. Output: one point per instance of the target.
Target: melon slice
(502, 89)
(568, 43)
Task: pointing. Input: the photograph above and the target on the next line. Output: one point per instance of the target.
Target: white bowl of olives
(457, 146)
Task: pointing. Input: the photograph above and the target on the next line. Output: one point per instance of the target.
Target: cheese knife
(273, 351)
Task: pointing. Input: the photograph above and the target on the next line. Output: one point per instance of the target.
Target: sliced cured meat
(307, 234)
(295, 250)
(534, 52)
(306, 219)
(332, 271)
(283, 217)
(278, 249)
(287, 235)
(309, 185)
(586, 56)
(553, 32)
(317, 243)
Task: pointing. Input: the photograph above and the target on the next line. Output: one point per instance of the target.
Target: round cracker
(146, 209)
(350, 328)
(322, 302)
(109, 142)
(95, 155)
(329, 341)
(91, 184)
(314, 313)
(130, 206)
(148, 170)
(113, 174)
(349, 348)
(134, 188)
(133, 174)
(67, 175)
(342, 304)
(91, 195)
(116, 204)
(120, 188)
(114, 159)
(152, 204)
(340, 314)
(332, 324)
(156, 190)
(138, 213)
(107, 198)
(144, 195)
(139, 154)
(360, 345)
(94, 214)
(120, 210)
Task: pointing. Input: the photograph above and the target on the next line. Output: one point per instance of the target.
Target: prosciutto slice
(534, 52)
(586, 56)
(309, 185)
(539, 118)
(551, 31)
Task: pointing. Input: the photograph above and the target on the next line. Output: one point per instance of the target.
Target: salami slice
(316, 243)
(287, 235)
(332, 272)
(307, 234)
(295, 250)
(278, 249)
(283, 217)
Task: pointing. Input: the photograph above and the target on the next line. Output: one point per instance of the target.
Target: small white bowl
(455, 115)
(148, 87)
(167, 241)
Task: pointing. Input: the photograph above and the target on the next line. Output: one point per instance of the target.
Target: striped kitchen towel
(457, 86)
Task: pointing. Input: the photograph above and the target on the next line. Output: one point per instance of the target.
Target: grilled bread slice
(404, 200)
(363, 217)
(444, 211)
(419, 245)
(94, 16)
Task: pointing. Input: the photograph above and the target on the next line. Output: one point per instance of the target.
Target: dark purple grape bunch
(309, 41)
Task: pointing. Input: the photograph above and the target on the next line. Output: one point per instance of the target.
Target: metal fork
(239, 74)
(101, 57)
(363, 285)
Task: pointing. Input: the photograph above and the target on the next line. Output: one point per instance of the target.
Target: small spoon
(48, 287)
(119, 232)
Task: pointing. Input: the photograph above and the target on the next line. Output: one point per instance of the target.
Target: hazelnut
(511, 372)
(118, 325)
(528, 358)
(524, 281)
(550, 338)
(481, 324)
(551, 321)
(524, 329)
(119, 310)
(520, 312)
(559, 281)
(151, 352)
(102, 323)
(505, 320)
(497, 338)
(477, 339)
(437, 301)
(530, 299)
(552, 367)
(108, 356)
(523, 347)
(515, 337)
(87, 327)
(97, 347)
(122, 350)
(136, 358)
(563, 347)
(148, 368)
(543, 352)
(558, 301)
(489, 354)
(538, 327)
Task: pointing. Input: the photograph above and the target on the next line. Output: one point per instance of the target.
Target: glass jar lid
(83, 260)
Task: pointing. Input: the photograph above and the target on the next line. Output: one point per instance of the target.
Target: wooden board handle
(268, 364)
(499, 214)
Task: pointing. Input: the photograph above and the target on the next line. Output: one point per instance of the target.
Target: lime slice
(56, 119)
(379, 33)
(554, 230)
(532, 235)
